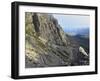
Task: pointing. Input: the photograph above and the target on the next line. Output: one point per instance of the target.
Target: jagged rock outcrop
(81, 49)
(47, 27)
(46, 42)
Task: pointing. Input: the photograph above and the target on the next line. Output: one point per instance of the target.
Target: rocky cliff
(46, 44)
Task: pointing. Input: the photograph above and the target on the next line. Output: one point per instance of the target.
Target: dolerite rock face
(46, 44)
(47, 27)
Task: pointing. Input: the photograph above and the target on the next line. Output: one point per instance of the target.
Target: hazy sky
(69, 22)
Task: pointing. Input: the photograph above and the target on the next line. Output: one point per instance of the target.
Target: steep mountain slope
(46, 44)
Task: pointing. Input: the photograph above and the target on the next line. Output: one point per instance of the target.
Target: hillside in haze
(78, 31)
(47, 45)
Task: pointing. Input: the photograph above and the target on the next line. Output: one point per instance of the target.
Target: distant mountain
(83, 31)
(78, 31)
